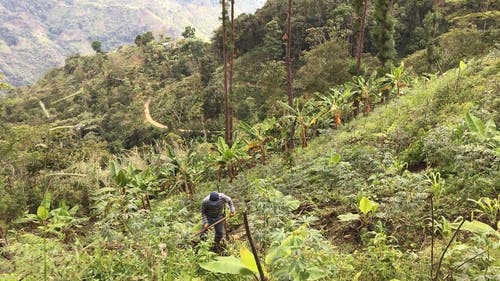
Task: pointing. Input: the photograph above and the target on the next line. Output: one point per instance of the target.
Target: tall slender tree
(384, 33)
(288, 40)
(227, 109)
(362, 4)
(231, 74)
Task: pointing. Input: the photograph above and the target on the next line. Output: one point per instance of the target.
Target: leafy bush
(302, 254)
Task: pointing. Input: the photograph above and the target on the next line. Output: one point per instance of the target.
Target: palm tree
(260, 134)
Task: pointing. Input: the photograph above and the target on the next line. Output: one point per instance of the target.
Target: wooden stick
(446, 249)
(250, 240)
(432, 237)
(208, 227)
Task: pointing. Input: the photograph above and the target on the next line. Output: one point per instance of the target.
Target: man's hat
(214, 196)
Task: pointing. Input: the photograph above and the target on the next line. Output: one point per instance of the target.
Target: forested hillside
(36, 36)
(367, 150)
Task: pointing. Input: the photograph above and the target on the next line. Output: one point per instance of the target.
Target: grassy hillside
(394, 176)
(35, 37)
(405, 152)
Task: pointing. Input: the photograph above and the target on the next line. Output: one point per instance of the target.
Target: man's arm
(204, 219)
(228, 200)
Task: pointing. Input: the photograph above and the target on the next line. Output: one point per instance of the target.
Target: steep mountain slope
(294, 200)
(36, 35)
(421, 161)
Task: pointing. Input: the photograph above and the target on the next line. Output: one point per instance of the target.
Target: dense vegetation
(395, 174)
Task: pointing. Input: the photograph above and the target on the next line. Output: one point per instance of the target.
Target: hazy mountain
(37, 35)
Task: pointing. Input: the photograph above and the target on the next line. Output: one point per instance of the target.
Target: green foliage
(478, 227)
(273, 45)
(60, 221)
(383, 33)
(304, 116)
(395, 81)
(380, 260)
(3, 85)
(189, 32)
(140, 228)
(365, 206)
(301, 255)
(487, 207)
(271, 79)
(437, 185)
(365, 91)
(325, 65)
(229, 265)
(257, 137)
(43, 210)
(459, 44)
(431, 24)
(228, 157)
(481, 131)
(335, 105)
(246, 265)
(181, 168)
(97, 46)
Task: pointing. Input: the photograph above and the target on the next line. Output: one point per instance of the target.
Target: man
(212, 210)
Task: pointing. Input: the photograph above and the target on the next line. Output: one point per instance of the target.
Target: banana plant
(260, 135)
(181, 169)
(228, 157)
(365, 91)
(367, 208)
(395, 81)
(57, 222)
(335, 104)
(303, 116)
(484, 132)
(135, 182)
(245, 265)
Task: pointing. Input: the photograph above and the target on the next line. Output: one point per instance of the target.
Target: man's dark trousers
(219, 228)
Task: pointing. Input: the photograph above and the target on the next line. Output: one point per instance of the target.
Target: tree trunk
(263, 154)
(231, 74)
(230, 172)
(338, 118)
(361, 34)
(303, 135)
(224, 57)
(291, 143)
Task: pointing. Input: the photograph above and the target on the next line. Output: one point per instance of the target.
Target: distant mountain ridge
(37, 35)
